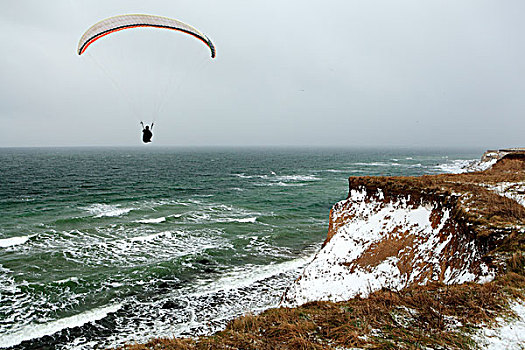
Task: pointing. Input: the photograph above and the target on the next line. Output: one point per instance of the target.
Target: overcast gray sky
(321, 73)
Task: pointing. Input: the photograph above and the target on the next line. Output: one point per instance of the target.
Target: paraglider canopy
(122, 22)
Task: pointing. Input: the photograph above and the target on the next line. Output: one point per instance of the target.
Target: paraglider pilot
(146, 133)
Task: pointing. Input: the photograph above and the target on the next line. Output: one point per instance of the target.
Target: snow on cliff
(512, 190)
(509, 334)
(478, 165)
(376, 242)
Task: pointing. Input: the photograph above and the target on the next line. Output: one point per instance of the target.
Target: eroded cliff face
(377, 239)
(397, 232)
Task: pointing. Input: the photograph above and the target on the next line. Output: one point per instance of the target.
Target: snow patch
(510, 334)
(351, 263)
(512, 190)
(480, 165)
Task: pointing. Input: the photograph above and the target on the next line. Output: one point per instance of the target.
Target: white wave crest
(455, 166)
(337, 170)
(107, 210)
(250, 274)
(12, 241)
(275, 177)
(152, 220)
(33, 331)
(373, 164)
(244, 176)
(151, 237)
(297, 178)
(239, 220)
(280, 183)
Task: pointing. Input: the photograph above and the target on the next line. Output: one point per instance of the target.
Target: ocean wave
(7, 282)
(402, 165)
(12, 241)
(198, 217)
(244, 176)
(280, 183)
(373, 164)
(243, 220)
(245, 276)
(201, 217)
(67, 280)
(275, 177)
(152, 220)
(137, 246)
(391, 164)
(154, 204)
(107, 210)
(211, 212)
(206, 306)
(166, 202)
(33, 331)
(297, 178)
(151, 237)
(337, 170)
(455, 167)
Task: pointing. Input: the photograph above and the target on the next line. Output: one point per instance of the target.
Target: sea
(101, 247)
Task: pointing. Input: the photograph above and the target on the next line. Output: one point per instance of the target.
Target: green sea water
(101, 246)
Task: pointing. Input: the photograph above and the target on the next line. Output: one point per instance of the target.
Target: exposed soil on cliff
(467, 194)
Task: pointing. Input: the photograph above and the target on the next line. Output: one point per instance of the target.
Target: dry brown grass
(485, 210)
(379, 251)
(410, 319)
(509, 165)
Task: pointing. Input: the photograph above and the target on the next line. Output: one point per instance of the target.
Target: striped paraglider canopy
(122, 22)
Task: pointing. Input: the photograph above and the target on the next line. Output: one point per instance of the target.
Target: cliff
(396, 232)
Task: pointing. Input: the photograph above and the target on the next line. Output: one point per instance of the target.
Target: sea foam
(242, 220)
(455, 167)
(12, 241)
(107, 210)
(152, 220)
(33, 331)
